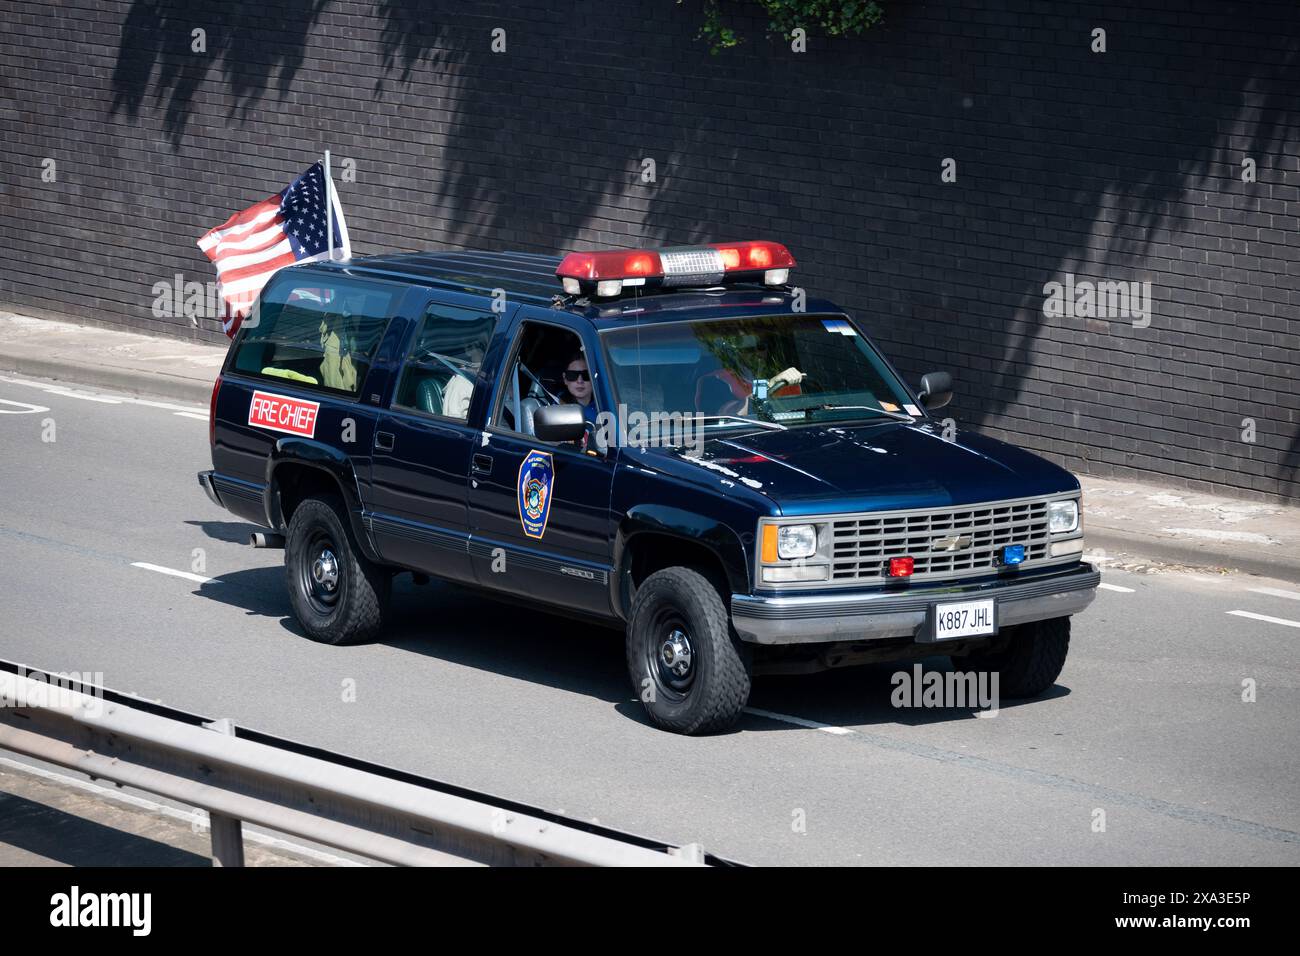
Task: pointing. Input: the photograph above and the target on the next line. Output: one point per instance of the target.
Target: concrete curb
(1275, 565)
(141, 382)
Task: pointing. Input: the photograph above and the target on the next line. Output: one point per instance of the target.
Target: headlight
(796, 541)
(1062, 516)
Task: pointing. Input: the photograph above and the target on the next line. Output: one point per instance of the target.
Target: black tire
(1030, 663)
(714, 689)
(353, 610)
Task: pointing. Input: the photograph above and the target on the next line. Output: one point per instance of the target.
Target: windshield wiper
(898, 416)
(738, 418)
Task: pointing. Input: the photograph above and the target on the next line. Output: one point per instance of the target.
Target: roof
(529, 277)
(523, 275)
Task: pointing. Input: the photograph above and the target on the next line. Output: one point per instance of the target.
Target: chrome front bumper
(814, 619)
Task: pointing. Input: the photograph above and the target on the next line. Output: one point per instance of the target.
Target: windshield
(784, 370)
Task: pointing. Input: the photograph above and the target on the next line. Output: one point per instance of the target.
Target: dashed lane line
(798, 721)
(196, 578)
(1115, 587)
(1277, 592)
(1264, 617)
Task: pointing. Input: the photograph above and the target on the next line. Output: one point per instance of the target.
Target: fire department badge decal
(536, 478)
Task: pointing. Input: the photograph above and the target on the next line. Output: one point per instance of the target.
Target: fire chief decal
(536, 478)
(283, 414)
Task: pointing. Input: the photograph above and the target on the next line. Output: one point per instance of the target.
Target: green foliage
(836, 18)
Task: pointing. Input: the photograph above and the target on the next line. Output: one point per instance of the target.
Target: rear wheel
(689, 669)
(1031, 661)
(338, 596)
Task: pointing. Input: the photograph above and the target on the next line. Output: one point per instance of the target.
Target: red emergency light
(607, 274)
(901, 567)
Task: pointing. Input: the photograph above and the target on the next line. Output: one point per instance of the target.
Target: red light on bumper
(901, 567)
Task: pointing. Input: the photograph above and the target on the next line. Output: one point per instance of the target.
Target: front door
(539, 511)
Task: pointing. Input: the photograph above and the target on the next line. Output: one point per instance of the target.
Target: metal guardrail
(237, 775)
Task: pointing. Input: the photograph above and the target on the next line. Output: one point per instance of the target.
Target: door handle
(483, 464)
(384, 441)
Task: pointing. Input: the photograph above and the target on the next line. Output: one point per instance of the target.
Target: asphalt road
(1146, 724)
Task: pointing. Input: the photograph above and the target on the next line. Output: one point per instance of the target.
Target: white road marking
(1277, 592)
(84, 396)
(1264, 617)
(798, 721)
(53, 389)
(87, 396)
(22, 408)
(202, 418)
(166, 811)
(1115, 587)
(197, 578)
(165, 406)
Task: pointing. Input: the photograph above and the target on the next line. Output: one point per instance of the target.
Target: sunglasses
(579, 375)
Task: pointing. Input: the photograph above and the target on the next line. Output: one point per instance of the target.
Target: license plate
(967, 619)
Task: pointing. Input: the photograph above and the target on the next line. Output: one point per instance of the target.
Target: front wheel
(1031, 661)
(690, 671)
(338, 596)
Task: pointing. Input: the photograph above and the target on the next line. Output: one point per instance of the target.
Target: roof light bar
(607, 274)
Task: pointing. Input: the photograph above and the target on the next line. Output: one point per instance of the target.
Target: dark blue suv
(675, 441)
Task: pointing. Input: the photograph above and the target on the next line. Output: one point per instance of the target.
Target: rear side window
(439, 375)
(318, 332)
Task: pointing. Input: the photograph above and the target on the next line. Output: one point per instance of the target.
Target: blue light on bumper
(1013, 554)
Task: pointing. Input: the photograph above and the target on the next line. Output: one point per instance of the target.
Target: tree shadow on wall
(249, 44)
(542, 149)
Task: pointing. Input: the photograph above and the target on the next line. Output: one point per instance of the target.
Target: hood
(876, 467)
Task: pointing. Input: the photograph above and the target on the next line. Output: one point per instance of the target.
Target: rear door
(424, 439)
(298, 368)
(539, 511)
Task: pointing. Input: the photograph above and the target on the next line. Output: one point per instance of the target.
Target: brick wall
(1117, 166)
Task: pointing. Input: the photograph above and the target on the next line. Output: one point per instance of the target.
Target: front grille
(863, 544)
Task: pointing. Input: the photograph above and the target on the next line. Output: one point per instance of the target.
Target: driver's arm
(791, 376)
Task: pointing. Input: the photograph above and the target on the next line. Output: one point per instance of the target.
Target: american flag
(280, 230)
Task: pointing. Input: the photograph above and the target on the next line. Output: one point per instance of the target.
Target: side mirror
(936, 389)
(559, 423)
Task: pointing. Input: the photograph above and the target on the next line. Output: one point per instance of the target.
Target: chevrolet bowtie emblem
(954, 543)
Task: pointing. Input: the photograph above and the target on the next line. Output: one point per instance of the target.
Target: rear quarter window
(315, 331)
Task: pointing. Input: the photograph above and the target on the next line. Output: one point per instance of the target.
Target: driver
(577, 391)
(577, 386)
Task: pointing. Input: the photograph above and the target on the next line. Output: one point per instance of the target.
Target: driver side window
(548, 368)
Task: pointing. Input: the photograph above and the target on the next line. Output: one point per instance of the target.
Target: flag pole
(329, 205)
